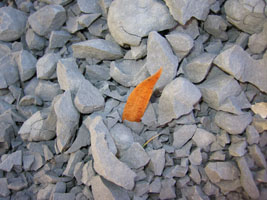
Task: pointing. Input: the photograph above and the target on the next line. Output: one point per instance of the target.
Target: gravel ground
(67, 68)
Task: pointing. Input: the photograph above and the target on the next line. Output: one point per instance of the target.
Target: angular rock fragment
(74, 158)
(17, 183)
(182, 135)
(46, 66)
(157, 161)
(34, 41)
(105, 162)
(175, 171)
(97, 73)
(97, 48)
(78, 172)
(65, 196)
(177, 99)
(46, 19)
(129, 21)
(4, 191)
(182, 10)
(160, 54)
(203, 138)
(67, 120)
(238, 149)
(47, 90)
(6, 134)
(258, 41)
(89, 6)
(11, 160)
(137, 52)
(196, 157)
(13, 23)
(229, 186)
(58, 39)
(87, 173)
(216, 26)
(233, 124)
(149, 117)
(252, 135)
(257, 156)
(167, 189)
(30, 100)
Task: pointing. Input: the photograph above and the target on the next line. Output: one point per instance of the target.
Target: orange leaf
(138, 100)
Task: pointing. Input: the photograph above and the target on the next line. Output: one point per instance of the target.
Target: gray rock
(184, 151)
(141, 188)
(4, 191)
(167, 190)
(261, 176)
(210, 189)
(97, 73)
(247, 16)
(105, 190)
(67, 120)
(197, 69)
(48, 155)
(89, 6)
(182, 11)
(177, 99)
(157, 161)
(175, 171)
(229, 186)
(181, 43)
(74, 158)
(45, 192)
(6, 134)
(217, 155)
(17, 183)
(258, 41)
(214, 47)
(233, 124)
(64, 196)
(129, 21)
(194, 174)
(182, 135)
(48, 18)
(58, 39)
(68, 74)
(160, 54)
(203, 138)
(128, 73)
(13, 23)
(135, 156)
(9, 69)
(218, 171)
(105, 162)
(47, 90)
(86, 20)
(78, 173)
(46, 66)
(11, 160)
(34, 41)
(257, 156)
(196, 157)
(137, 52)
(149, 117)
(88, 98)
(246, 179)
(26, 65)
(216, 26)
(238, 149)
(252, 135)
(28, 100)
(73, 25)
(155, 185)
(87, 173)
(97, 48)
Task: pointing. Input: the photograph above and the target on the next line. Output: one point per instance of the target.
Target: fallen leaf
(139, 98)
(260, 109)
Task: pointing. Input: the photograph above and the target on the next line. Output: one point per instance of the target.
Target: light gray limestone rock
(167, 190)
(149, 117)
(197, 69)
(17, 183)
(88, 98)
(78, 173)
(97, 73)
(246, 179)
(128, 72)
(214, 47)
(46, 65)
(13, 23)
(157, 161)
(67, 121)
(9, 70)
(137, 52)
(216, 26)
(233, 124)
(89, 6)
(58, 39)
(97, 48)
(87, 173)
(74, 158)
(183, 151)
(28, 100)
(258, 41)
(4, 191)
(6, 134)
(249, 16)
(155, 185)
(87, 19)
(46, 19)
(196, 157)
(177, 99)
(26, 64)
(183, 10)
(238, 149)
(252, 135)
(210, 189)
(47, 90)
(182, 135)
(48, 155)
(141, 188)
(64, 196)
(34, 41)
(11, 160)
(129, 21)
(105, 190)
(217, 155)
(203, 138)
(135, 156)
(194, 174)
(257, 156)
(105, 162)
(175, 171)
(73, 25)
(160, 54)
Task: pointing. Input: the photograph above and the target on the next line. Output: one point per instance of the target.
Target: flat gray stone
(238, 149)
(88, 98)
(28, 100)
(160, 54)
(149, 117)
(141, 188)
(105, 162)
(26, 65)
(194, 174)
(155, 185)
(97, 73)
(175, 171)
(182, 135)
(210, 189)
(258, 41)
(246, 179)
(47, 90)
(78, 172)
(157, 161)
(46, 65)
(4, 191)
(67, 120)
(6, 134)
(183, 151)
(167, 190)
(233, 124)
(196, 157)
(89, 6)
(257, 156)
(58, 39)
(9, 70)
(34, 41)
(64, 196)
(181, 43)
(135, 156)
(17, 183)
(11, 160)
(46, 19)
(45, 192)
(13, 23)
(182, 10)
(197, 69)
(137, 52)
(48, 155)
(217, 155)
(216, 26)
(87, 173)
(74, 158)
(203, 138)
(105, 190)
(229, 186)
(218, 171)
(87, 19)
(129, 21)
(97, 48)
(177, 99)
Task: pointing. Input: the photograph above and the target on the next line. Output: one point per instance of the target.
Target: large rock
(249, 16)
(129, 21)
(105, 162)
(48, 18)
(160, 54)
(12, 23)
(183, 10)
(97, 48)
(177, 99)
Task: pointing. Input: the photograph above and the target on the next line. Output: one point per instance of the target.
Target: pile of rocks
(67, 68)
